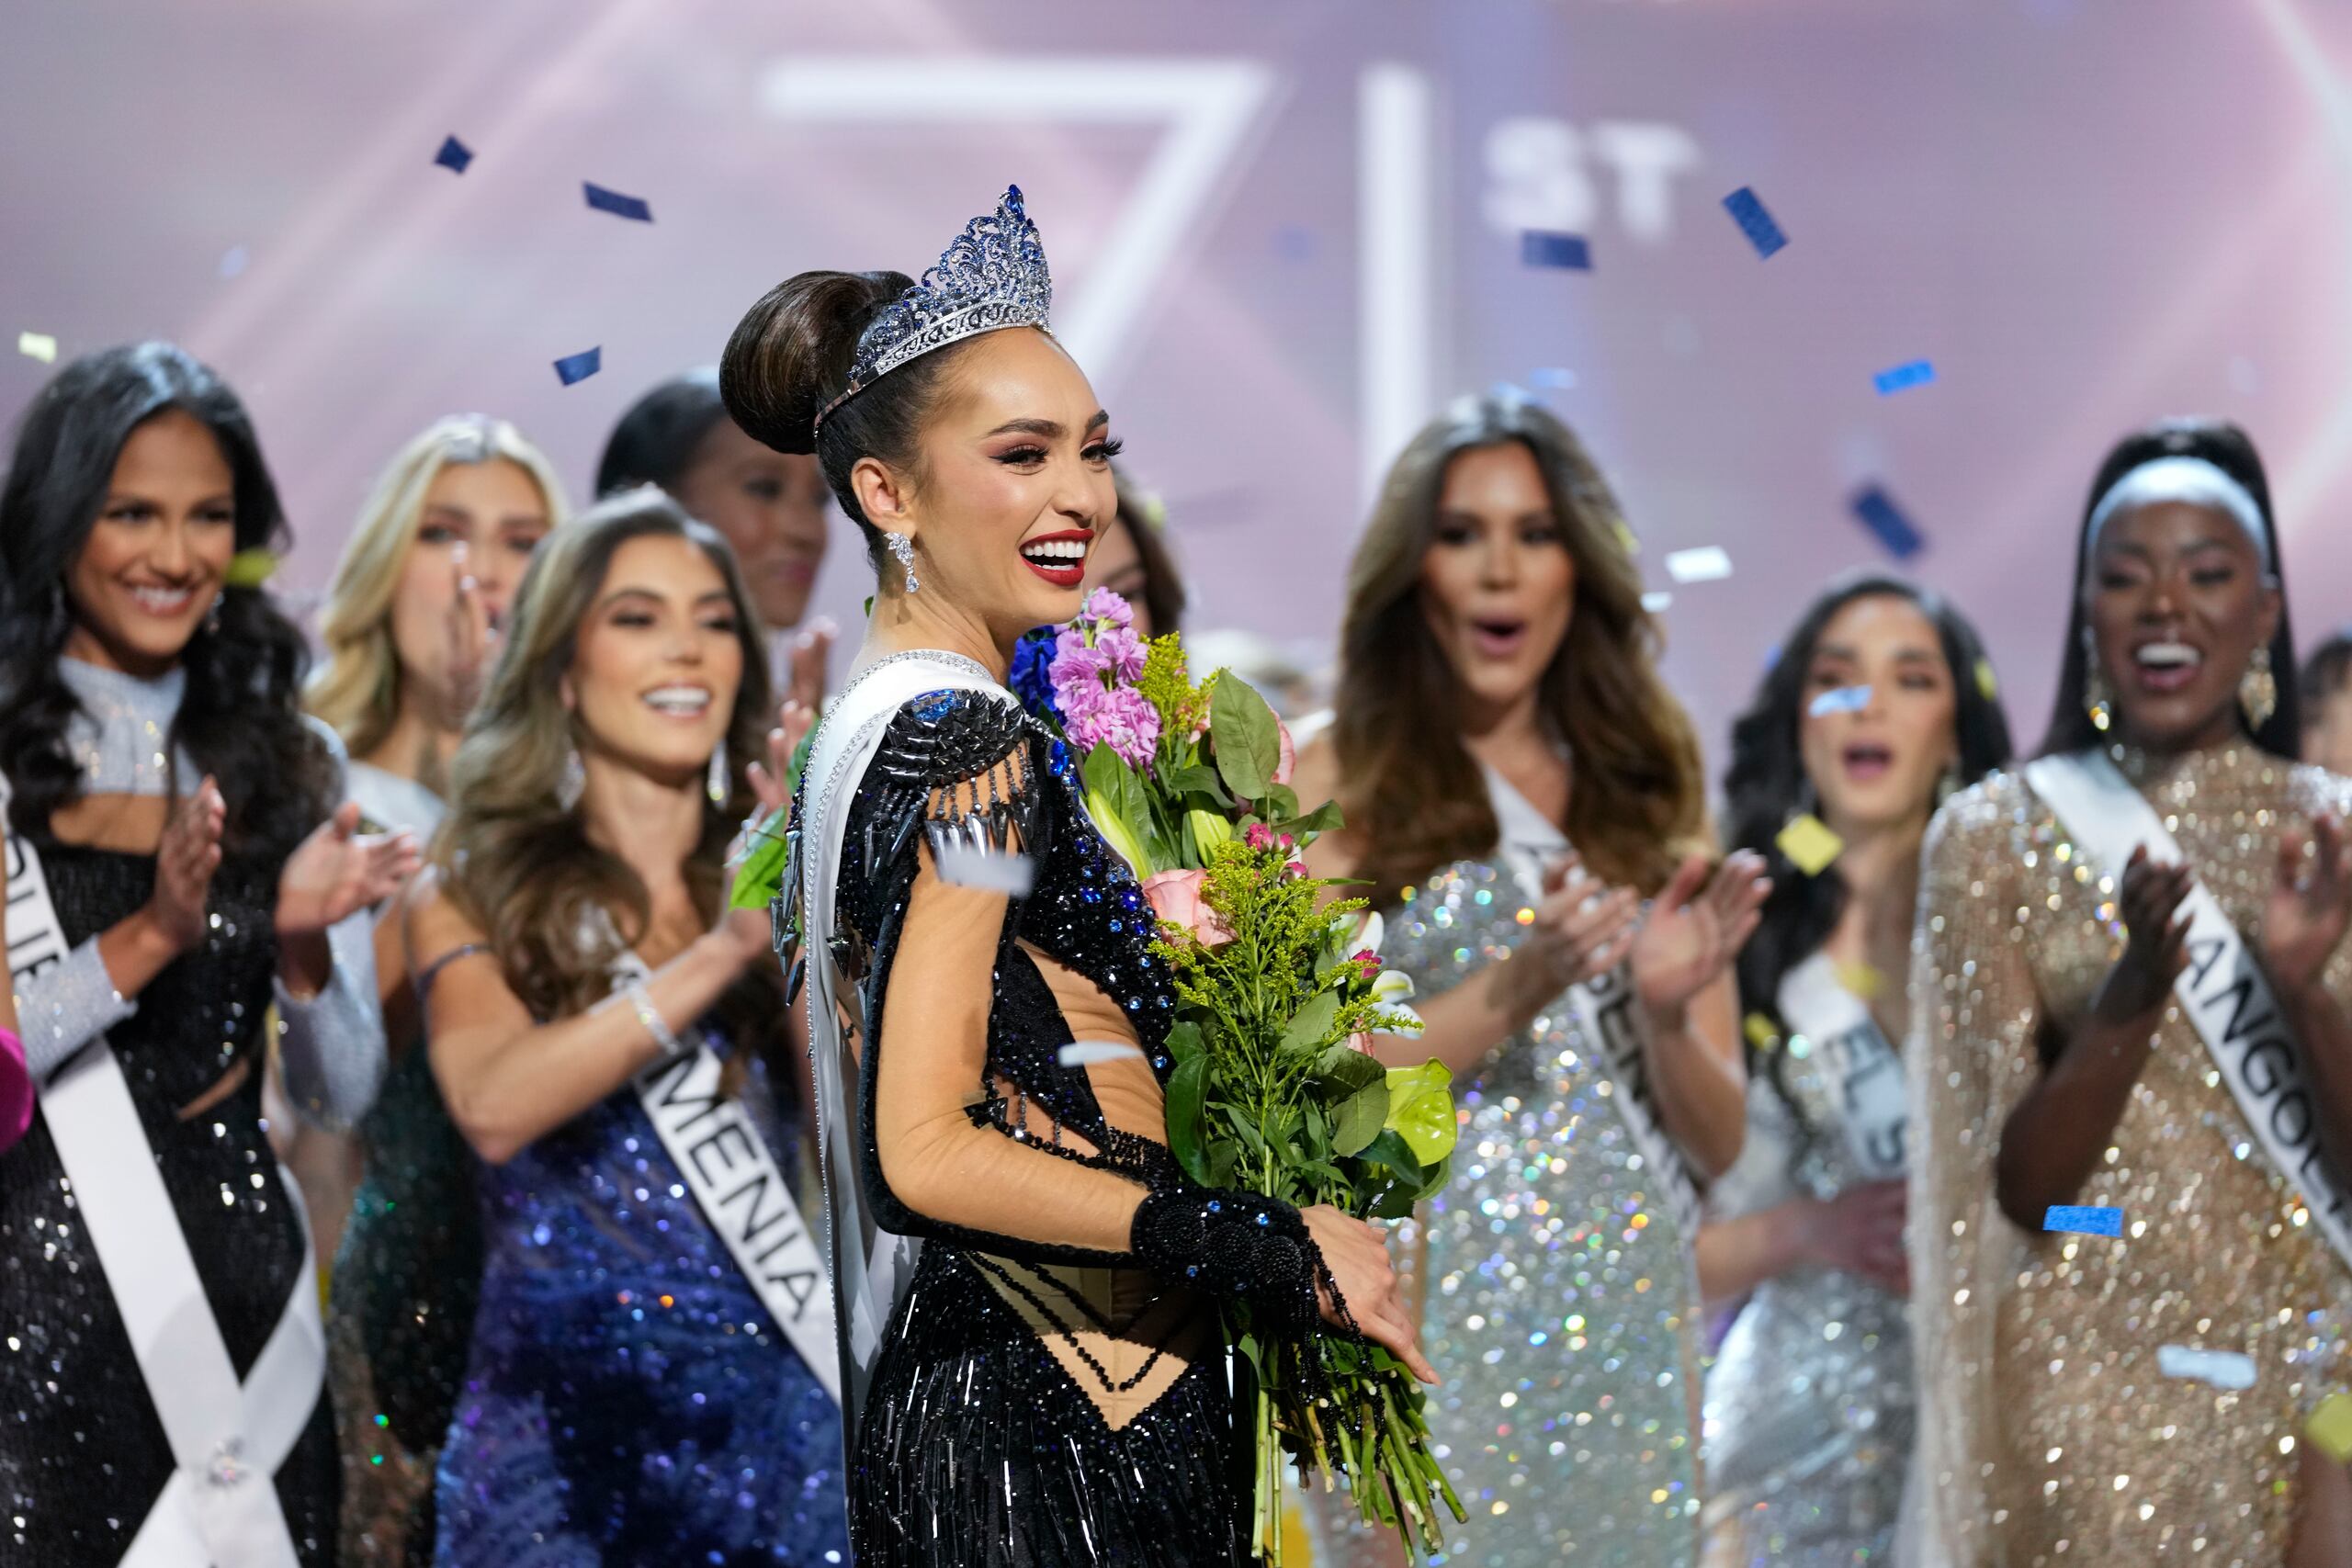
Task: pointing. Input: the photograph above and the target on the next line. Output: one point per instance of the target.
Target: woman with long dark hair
(2129, 999)
(1881, 704)
(1519, 784)
(180, 862)
(607, 1035)
(1027, 1282)
(413, 616)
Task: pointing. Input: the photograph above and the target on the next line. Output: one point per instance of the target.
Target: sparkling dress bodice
(2036, 1352)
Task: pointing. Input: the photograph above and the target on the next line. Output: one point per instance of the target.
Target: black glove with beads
(1235, 1244)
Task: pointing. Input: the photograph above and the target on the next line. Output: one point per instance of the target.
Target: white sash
(871, 1267)
(227, 1438)
(1604, 1011)
(1863, 1070)
(725, 1163)
(2222, 992)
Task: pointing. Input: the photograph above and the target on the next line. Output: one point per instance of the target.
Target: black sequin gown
(83, 1455)
(1034, 1405)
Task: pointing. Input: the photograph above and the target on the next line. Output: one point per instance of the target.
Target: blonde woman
(411, 622)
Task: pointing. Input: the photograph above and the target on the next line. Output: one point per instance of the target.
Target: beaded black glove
(1235, 1244)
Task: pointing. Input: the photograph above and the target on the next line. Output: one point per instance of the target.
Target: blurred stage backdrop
(1283, 230)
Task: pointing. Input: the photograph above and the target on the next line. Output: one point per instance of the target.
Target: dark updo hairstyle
(240, 716)
(790, 356)
(1766, 784)
(656, 440)
(2230, 450)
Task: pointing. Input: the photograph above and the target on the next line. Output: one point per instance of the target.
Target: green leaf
(1390, 1152)
(1187, 1093)
(1280, 803)
(1209, 829)
(1324, 819)
(1186, 1041)
(1349, 1068)
(1245, 733)
(1362, 1119)
(1198, 779)
(1420, 1110)
(1311, 1024)
(760, 875)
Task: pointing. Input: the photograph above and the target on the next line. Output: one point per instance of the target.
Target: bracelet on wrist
(640, 1001)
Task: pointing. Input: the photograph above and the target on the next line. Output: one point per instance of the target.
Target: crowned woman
(1028, 1286)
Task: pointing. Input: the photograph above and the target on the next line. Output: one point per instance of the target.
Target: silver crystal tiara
(992, 277)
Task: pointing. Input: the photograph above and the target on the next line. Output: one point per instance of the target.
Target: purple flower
(1120, 717)
(1122, 650)
(1108, 608)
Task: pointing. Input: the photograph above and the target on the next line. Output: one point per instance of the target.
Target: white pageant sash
(871, 1267)
(2222, 992)
(727, 1165)
(1864, 1071)
(227, 1438)
(1604, 1011)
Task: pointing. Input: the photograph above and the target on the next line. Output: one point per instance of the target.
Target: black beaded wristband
(1233, 1243)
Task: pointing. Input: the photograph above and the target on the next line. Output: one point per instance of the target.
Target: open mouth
(1497, 638)
(1059, 558)
(1867, 759)
(2166, 666)
(679, 701)
(158, 601)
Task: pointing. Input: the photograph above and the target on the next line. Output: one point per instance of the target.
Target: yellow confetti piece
(1861, 979)
(1809, 843)
(38, 345)
(2331, 1427)
(1759, 1031)
(1632, 545)
(1984, 681)
(250, 569)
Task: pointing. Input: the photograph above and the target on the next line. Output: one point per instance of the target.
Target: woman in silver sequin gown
(1494, 591)
(1881, 703)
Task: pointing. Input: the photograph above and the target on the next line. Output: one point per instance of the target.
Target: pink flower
(1122, 652)
(1259, 837)
(1175, 897)
(1366, 960)
(1120, 717)
(1289, 754)
(1109, 608)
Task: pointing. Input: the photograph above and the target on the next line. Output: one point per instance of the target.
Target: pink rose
(1259, 836)
(1289, 754)
(1175, 897)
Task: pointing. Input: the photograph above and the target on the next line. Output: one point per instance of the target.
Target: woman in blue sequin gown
(1493, 588)
(630, 1398)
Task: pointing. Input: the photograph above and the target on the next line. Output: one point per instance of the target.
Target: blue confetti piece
(2083, 1220)
(454, 155)
(1918, 373)
(1540, 248)
(613, 202)
(233, 261)
(1879, 514)
(1755, 221)
(1845, 699)
(1552, 376)
(574, 367)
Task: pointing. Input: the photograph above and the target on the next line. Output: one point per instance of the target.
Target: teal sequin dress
(1559, 1295)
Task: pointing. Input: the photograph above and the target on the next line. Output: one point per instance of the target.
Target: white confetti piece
(1656, 601)
(990, 870)
(2222, 1368)
(1704, 564)
(38, 345)
(1085, 1053)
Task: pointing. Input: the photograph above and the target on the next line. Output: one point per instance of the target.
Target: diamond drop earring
(2096, 700)
(717, 780)
(572, 781)
(2258, 689)
(904, 548)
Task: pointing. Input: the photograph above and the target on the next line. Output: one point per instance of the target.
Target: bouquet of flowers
(1279, 994)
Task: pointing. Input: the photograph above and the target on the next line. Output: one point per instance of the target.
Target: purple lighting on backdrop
(1283, 232)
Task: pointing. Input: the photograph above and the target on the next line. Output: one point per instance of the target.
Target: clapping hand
(2155, 938)
(2310, 905)
(1578, 930)
(339, 870)
(186, 858)
(1695, 928)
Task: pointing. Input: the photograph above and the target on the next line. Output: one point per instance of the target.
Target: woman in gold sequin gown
(1517, 783)
(2054, 1067)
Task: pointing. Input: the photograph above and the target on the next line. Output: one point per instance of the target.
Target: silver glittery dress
(2049, 1436)
(1557, 1291)
(1809, 1402)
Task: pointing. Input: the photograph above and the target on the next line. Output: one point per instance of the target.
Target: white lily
(1397, 1017)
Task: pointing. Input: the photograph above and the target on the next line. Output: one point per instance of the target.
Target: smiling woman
(2099, 933)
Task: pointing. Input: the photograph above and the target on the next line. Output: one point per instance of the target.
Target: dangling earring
(212, 617)
(717, 780)
(2096, 700)
(572, 781)
(2258, 689)
(1947, 782)
(904, 548)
